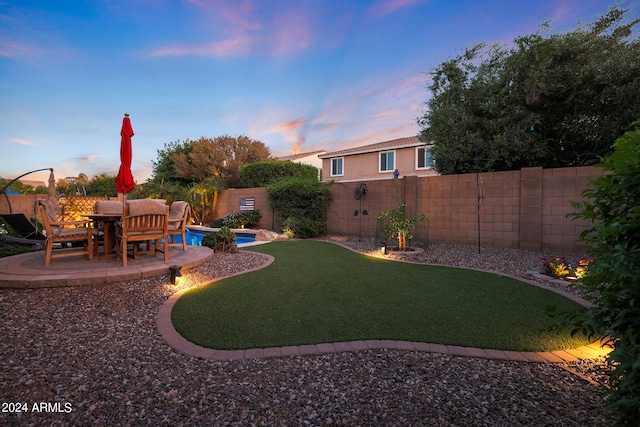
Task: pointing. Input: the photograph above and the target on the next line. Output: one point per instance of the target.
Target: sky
(297, 75)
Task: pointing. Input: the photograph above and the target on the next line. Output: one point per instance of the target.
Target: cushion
(71, 232)
(147, 207)
(176, 210)
(50, 211)
(109, 207)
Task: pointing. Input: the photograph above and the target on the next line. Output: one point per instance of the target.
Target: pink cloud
(562, 8)
(288, 126)
(292, 34)
(385, 7)
(242, 28)
(10, 49)
(236, 46)
(22, 141)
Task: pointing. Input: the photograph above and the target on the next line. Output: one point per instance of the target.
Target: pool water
(194, 237)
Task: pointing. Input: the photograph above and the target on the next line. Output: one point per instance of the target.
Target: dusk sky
(300, 75)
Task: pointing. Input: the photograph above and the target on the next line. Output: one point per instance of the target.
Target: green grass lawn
(319, 292)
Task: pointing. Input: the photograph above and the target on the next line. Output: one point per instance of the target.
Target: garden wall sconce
(174, 272)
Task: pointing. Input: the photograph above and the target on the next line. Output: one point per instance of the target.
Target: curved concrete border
(28, 270)
(181, 344)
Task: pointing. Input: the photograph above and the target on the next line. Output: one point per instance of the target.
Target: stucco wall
(365, 166)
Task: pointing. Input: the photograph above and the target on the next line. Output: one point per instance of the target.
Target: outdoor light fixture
(384, 248)
(174, 273)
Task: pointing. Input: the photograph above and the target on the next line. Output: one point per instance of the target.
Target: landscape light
(174, 273)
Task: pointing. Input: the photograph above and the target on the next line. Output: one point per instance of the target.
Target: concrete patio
(28, 270)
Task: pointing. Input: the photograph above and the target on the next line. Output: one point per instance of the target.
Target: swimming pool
(194, 236)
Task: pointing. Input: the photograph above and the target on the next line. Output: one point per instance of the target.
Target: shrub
(559, 268)
(230, 220)
(261, 174)
(304, 228)
(396, 222)
(223, 240)
(217, 223)
(612, 202)
(242, 219)
(297, 200)
(14, 250)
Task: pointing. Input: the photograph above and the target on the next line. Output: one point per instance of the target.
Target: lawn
(319, 292)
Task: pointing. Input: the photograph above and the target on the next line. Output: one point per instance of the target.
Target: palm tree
(162, 190)
(203, 198)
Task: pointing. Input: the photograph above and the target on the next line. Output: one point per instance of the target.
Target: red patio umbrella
(124, 180)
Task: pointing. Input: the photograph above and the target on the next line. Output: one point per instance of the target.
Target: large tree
(217, 159)
(102, 185)
(164, 170)
(552, 100)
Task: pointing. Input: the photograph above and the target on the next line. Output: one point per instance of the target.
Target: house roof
(294, 157)
(411, 141)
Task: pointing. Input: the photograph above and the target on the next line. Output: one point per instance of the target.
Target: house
(408, 156)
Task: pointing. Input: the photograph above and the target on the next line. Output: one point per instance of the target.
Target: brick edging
(181, 344)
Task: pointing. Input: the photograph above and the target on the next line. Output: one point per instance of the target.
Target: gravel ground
(93, 356)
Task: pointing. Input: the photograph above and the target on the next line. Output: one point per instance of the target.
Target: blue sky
(299, 75)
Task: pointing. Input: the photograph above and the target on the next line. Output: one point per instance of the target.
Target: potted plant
(399, 226)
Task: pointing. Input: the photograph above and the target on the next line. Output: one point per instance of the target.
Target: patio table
(109, 221)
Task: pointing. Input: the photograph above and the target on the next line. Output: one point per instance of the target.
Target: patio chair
(63, 233)
(179, 213)
(114, 207)
(143, 220)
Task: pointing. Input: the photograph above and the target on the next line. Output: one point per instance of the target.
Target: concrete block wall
(523, 209)
(560, 188)
(229, 202)
(20, 203)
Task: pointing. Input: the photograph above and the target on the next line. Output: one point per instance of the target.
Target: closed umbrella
(52, 187)
(124, 180)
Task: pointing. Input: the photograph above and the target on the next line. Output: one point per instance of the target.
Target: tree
(74, 185)
(22, 188)
(102, 185)
(553, 100)
(203, 197)
(159, 189)
(219, 158)
(164, 169)
(612, 202)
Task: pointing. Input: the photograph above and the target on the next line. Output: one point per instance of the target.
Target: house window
(424, 158)
(387, 161)
(336, 166)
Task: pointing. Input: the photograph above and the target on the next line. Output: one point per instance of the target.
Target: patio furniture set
(145, 226)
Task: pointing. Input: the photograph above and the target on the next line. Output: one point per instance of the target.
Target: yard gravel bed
(92, 356)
